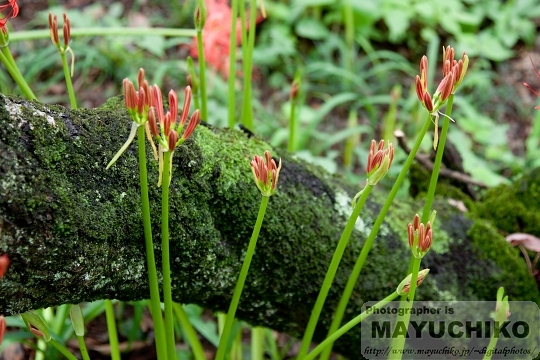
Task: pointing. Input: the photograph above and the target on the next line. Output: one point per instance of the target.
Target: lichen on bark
(73, 230)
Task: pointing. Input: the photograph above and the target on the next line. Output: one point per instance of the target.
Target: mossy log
(73, 230)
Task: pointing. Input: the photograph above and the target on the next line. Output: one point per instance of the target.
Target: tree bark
(73, 230)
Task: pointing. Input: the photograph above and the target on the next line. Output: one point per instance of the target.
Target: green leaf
(310, 28)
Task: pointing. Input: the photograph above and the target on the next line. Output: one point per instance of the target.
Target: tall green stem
(342, 330)
(82, 348)
(111, 329)
(340, 311)
(202, 76)
(11, 67)
(257, 343)
(292, 126)
(69, 84)
(165, 256)
(331, 273)
(399, 342)
(232, 63)
(240, 283)
(62, 349)
(247, 110)
(161, 347)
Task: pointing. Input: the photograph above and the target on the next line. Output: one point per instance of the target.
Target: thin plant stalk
(292, 126)
(202, 76)
(165, 256)
(257, 343)
(101, 31)
(232, 63)
(331, 273)
(111, 329)
(353, 278)
(161, 347)
(13, 70)
(407, 300)
(62, 349)
(351, 141)
(247, 110)
(69, 84)
(82, 348)
(191, 334)
(241, 280)
(342, 330)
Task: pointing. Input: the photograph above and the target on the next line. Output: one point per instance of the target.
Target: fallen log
(73, 230)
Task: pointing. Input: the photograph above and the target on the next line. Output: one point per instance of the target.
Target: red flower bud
(4, 264)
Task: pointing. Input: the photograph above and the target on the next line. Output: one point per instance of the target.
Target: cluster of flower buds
(266, 174)
(529, 86)
(453, 74)
(169, 128)
(405, 285)
(502, 308)
(53, 28)
(379, 161)
(420, 237)
(138, 102)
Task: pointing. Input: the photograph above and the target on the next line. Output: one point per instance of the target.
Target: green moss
(516, 207)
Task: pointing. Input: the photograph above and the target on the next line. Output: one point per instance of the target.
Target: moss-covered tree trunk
(73, 230)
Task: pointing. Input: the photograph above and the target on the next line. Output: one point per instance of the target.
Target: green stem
(491, 346)
(191, 334)
(399, 342)
(13, 70)
(292, 126)
(257, 343)
(247, 110)
(202, 76)
(331, 273)
(149, 244)
(104, 31)
(342, 330)
(232, 63)
(111, 329)
(69, 84)
(241, 280)
(62, 349)
(353, 278)
(82, 348)
(165, 256)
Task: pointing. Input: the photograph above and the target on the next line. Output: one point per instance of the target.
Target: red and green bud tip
(405, 285)
(421, 235)
(265, 173)
(379, 161)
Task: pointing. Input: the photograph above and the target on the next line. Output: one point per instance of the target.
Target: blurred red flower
(13, 11)
(216, 35)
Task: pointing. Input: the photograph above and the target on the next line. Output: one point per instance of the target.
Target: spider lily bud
(405, 285)
(66, 30)
(420, 237)
(36, 325)
(77, 319)
(266, 174)
(502, 308)
(379, 161)
(200, 15)
(4, 264)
